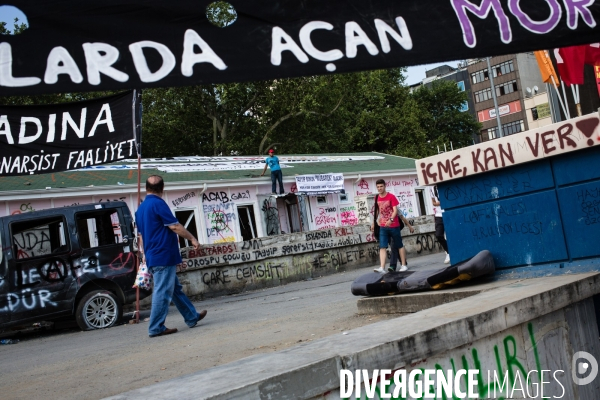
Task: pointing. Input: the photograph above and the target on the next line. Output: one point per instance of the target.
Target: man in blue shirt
(158, 230)
(273, 163)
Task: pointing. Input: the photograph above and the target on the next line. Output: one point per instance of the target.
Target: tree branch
(293, 115)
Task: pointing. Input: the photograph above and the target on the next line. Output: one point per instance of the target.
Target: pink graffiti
(349, 218)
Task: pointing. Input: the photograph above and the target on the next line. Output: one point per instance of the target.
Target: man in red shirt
(389, 225)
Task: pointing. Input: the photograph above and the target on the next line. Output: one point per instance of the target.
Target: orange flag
(546, 67)
(597, 74)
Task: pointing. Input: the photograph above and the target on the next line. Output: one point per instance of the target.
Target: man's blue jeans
(166, 289)
(277, 176)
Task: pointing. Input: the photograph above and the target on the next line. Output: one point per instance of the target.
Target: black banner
(110, 44)
(61, 137)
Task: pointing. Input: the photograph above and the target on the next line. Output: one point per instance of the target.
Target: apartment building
(516, 78)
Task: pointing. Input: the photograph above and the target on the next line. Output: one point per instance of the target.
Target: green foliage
(17, 28)
(221, 13)
(441, 117)
(338, 113)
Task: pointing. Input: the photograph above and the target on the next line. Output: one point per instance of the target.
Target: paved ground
(70, 364)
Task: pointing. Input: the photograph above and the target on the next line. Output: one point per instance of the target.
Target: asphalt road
(71, 364)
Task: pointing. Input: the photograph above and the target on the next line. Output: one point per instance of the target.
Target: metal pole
(566, 102)
(565, 109)
(551, 104)
(494, 97)
(137, 130)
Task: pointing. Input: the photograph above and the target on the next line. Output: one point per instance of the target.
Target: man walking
(389, 225)
(273, 163)
(158, 230)
(402, 251)
(440, 231)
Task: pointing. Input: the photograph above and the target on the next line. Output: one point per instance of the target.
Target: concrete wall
(227, 268)
(531, 325)
(547, 344)
(541, 213)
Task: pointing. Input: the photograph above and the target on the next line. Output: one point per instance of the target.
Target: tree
(441, 117)
(313, 98)
(17, 28)
(172, 125)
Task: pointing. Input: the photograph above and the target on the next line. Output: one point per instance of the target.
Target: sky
(414, 74)
(8, 14)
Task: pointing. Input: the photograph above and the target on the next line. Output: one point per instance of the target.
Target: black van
(76, 261)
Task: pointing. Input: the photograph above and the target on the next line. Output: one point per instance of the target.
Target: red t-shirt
(386, 208)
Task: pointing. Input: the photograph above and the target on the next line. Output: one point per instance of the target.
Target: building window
(483, 95)
(321, 199)
(534, 113)
(502, 69)
(479, 76)
(507, 129)
(344, 198)
(187, 218)
(513, 127)
(506, 88)
(247, 222)
(497, 70)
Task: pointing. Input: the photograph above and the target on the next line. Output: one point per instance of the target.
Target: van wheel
(98, 309)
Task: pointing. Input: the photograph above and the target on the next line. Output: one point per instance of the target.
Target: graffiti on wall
(534, 144)
(363, 188)
(326, 217)
(303, 216)
(348, 215)
(261, 271)
(219, 222)
(181, 200)
(509, 363)
(405, 192)
(589, 199)
(257, 250)
(270, 216)
(427, 243)
(499, 185)
(362, 210)
(331, 259)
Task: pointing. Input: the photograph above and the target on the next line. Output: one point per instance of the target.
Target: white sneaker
(403, 268)
(447, 260)
(380, 270)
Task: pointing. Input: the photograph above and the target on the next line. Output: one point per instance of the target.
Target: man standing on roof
(158, 230)
(273, 163)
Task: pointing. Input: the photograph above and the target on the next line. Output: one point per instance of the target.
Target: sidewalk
(311, 370)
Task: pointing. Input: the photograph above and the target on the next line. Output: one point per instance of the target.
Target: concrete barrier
(227, 268)
(531, 325)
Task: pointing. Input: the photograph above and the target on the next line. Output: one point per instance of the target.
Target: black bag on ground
(376, 284)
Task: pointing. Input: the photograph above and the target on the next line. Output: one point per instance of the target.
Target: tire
(98, 309)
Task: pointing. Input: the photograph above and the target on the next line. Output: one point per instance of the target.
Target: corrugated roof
(111, 177)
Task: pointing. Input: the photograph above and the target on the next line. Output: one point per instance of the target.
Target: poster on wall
(404, 189)
(220, 218)
(68, 48)
(61, 137)
(320, 184)
(325, 217)
(406, 199)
